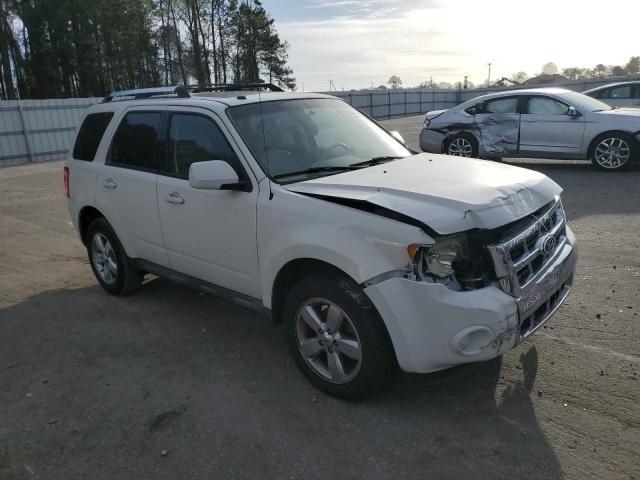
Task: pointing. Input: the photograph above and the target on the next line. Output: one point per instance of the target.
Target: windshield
(309, 138)
(585, 102)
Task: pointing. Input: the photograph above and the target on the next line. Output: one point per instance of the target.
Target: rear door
(126, 190)
(546, 128)
(209, 234)
(498, 123)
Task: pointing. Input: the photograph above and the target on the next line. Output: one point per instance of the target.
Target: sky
(357, 43)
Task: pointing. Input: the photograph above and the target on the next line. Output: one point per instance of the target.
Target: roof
(618, 84)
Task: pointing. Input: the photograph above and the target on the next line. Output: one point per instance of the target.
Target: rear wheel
(337, 338)
(613, 151)
(462, 145)
(113, 269)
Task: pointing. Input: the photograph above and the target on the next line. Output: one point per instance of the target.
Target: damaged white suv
(302, 208)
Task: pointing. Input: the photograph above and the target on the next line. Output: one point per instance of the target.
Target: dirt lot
(171, 384)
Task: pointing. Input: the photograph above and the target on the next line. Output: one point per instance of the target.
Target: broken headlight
(458, 261)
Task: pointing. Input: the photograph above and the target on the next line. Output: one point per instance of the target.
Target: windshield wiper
(375, 161)
(327, 168)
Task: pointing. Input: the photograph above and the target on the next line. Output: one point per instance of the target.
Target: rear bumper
(433, 327)
(431, 141)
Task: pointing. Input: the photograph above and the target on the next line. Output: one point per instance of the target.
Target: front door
(208, 234)
(547, 128)
(498, 123)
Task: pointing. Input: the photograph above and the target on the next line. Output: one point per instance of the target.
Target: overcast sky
(355, 43)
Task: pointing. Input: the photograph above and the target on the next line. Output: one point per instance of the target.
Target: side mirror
(572, 112)
(395, 134)
(213, 175)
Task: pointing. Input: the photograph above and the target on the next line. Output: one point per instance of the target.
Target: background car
(626, 94)
(537, 123)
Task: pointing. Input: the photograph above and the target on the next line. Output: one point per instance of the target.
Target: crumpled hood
(448, 194)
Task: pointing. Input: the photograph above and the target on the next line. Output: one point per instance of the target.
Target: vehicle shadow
(170, 383)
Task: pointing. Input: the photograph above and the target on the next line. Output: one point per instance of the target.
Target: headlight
(439, 259)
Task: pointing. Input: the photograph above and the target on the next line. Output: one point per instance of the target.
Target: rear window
(90, 134)
(136, 143)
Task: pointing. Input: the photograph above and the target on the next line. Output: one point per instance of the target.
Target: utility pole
(489, 77)
(465, 81)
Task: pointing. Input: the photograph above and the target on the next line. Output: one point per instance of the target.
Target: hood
(625, 112)
(448, 194)
(433, 114)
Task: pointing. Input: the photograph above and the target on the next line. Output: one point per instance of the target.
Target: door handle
(109, 183)
(174, 197)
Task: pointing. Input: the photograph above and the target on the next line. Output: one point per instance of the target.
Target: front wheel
(613, 152)
(462, 145)
(337, 338)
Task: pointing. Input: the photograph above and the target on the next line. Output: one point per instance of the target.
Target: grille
(524, 253)
(531, 323)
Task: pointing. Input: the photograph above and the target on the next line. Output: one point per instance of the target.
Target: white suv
(302, 208)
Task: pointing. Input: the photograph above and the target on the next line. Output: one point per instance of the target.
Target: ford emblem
(548, 244)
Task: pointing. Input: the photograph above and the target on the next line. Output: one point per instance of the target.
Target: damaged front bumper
(433, 327)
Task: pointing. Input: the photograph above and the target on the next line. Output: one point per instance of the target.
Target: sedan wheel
(328, 341)
(612, 153)
(460, 147)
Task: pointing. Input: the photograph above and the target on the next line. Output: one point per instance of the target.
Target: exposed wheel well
(592, 145)
(289, 274)
(87, 215)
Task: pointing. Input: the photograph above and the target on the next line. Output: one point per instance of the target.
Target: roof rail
(233, 87)
(183, 91)
(137, 93)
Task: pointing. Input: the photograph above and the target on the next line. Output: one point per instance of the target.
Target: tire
(462, 145)
(358, 331)
(113, 269)
(614, 151)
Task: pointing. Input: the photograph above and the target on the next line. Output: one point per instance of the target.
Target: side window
(502, 105)
(137, 141)
(603, 94)
(90, 134)
(194, 138)
(546, 106)
(623, 91)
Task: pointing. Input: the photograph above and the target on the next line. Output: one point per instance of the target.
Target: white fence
(41, 130)
(38, 130)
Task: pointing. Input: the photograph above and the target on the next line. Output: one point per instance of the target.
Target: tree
(633, 66)
(520, 77)
(618, 71)
(549, 68)
(600, 70)
(394, 81)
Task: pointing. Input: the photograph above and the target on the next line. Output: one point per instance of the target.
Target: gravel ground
(169, 384)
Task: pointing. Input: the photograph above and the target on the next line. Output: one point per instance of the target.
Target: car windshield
(309, 138)
(585, 102)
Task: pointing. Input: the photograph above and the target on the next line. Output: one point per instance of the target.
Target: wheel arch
(460, 133)
(87, 215)
(292, 272)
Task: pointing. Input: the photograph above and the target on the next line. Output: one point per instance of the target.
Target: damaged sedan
(536, 123)
(302, 208)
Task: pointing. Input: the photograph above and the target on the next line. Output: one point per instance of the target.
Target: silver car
(537, 123)
(625, 94)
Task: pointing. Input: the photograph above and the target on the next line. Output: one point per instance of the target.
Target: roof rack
(182, 91)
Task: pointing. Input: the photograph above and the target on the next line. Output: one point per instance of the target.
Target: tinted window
(136, 142)
(194, 138)
(546, 106)
(90, 134)
(502, 105)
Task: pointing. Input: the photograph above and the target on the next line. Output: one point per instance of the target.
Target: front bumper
(431, 140)
(433, 327)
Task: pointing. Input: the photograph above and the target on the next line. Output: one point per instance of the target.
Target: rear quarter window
(90, 135)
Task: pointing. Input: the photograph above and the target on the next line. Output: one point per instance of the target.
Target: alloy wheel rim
(460, 147)
(104, 258)
(328, 341)
(612, 153)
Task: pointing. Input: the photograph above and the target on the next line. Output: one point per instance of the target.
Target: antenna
(264, 142)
